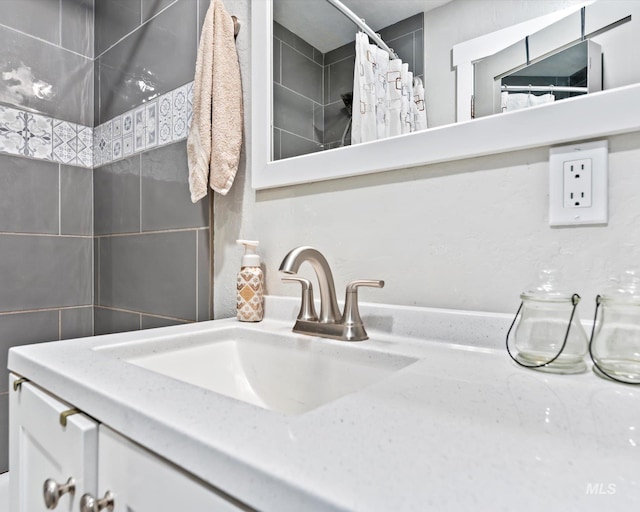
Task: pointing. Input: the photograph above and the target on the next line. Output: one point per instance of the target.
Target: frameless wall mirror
(303, 71)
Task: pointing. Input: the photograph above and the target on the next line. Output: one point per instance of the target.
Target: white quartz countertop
(463, 428)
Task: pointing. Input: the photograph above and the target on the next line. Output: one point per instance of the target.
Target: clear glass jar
(615, 348)
(549, 316)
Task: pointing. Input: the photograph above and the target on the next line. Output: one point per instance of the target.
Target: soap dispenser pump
(250, 297)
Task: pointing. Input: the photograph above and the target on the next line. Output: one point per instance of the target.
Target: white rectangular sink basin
(287, 373)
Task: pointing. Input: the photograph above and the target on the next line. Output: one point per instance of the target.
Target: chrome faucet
(331, 323)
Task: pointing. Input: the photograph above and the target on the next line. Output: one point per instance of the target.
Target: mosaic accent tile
(156, 123)
(116, 127)
(26, 134)
(10, 138)
(151, 110)
(165, 118)
(65, 142)
(104, 142)
(97, 154)
(180, 113)
(117, 149)
(139, 125)
(189, 103)
(127, 123)
(85, 146)
(127, 145)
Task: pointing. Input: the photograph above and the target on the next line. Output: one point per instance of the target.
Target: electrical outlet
(578, 184)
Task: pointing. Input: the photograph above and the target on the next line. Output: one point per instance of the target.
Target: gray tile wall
(143, 49)
(152, 249)
(151, 246)
(297, 95)
(46, 217)
(46, 57)
(309, 114)
(45, 259)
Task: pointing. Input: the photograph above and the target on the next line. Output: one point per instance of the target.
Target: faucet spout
(329, 311)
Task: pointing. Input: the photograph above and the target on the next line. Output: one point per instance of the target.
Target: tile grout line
(99, 278)
(197, 280)
(140, 191)
(60, 198)
(58, 308)
(142, 313)
(155, 232)
(44, 234)
(60, 23)
(59, 324)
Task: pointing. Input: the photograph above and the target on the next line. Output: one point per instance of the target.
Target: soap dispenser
(250, 298)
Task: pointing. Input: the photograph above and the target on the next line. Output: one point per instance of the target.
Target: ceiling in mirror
(326, 29)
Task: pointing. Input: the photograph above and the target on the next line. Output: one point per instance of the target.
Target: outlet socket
(578, 184)
(577, 176)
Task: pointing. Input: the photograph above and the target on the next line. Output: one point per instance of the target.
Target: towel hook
(236, 26)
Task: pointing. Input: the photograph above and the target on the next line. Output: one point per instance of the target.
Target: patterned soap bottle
(250, 298)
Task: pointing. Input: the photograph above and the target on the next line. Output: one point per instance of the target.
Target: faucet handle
(352, 287)
(351, 316)
(307, 309)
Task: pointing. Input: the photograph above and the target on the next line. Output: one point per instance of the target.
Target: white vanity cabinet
(41, 448)
(143, 482)
(101, 462)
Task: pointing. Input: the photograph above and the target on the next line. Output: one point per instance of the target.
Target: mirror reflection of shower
(347, 99)
(314, 68)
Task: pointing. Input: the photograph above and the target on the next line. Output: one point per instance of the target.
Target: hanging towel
(215, 135)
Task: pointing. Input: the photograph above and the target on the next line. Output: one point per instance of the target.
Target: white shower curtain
(363, 126)
(386, 99)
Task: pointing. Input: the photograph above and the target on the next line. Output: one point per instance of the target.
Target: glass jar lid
(547, 287)
(624, 289)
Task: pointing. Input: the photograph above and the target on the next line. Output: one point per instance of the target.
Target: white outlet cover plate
(598, 212)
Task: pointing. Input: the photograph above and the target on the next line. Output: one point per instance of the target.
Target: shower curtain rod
(363, 26)
(543, 88)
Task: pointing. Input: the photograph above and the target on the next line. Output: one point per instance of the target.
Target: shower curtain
(387, 101)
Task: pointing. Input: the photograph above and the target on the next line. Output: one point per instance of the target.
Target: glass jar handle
(575, 299)
(593, 359)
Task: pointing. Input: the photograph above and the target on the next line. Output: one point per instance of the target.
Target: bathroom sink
(287, 373)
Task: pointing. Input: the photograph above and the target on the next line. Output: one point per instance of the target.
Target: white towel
(215, 135)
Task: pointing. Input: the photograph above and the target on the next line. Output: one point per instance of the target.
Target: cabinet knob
(52, 491)
(90, 504)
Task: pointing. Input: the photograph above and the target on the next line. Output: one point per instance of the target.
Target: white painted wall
(464, 235)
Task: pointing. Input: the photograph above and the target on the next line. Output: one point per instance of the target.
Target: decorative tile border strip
(44, 138)
(158, 122)
(155, 123)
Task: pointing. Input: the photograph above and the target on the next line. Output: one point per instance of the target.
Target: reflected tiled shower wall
(151, 242)
(297, 95)
(46, 218)
(309, 114)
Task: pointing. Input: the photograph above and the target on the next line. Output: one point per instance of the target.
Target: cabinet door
(41, 448)
(142, 482)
